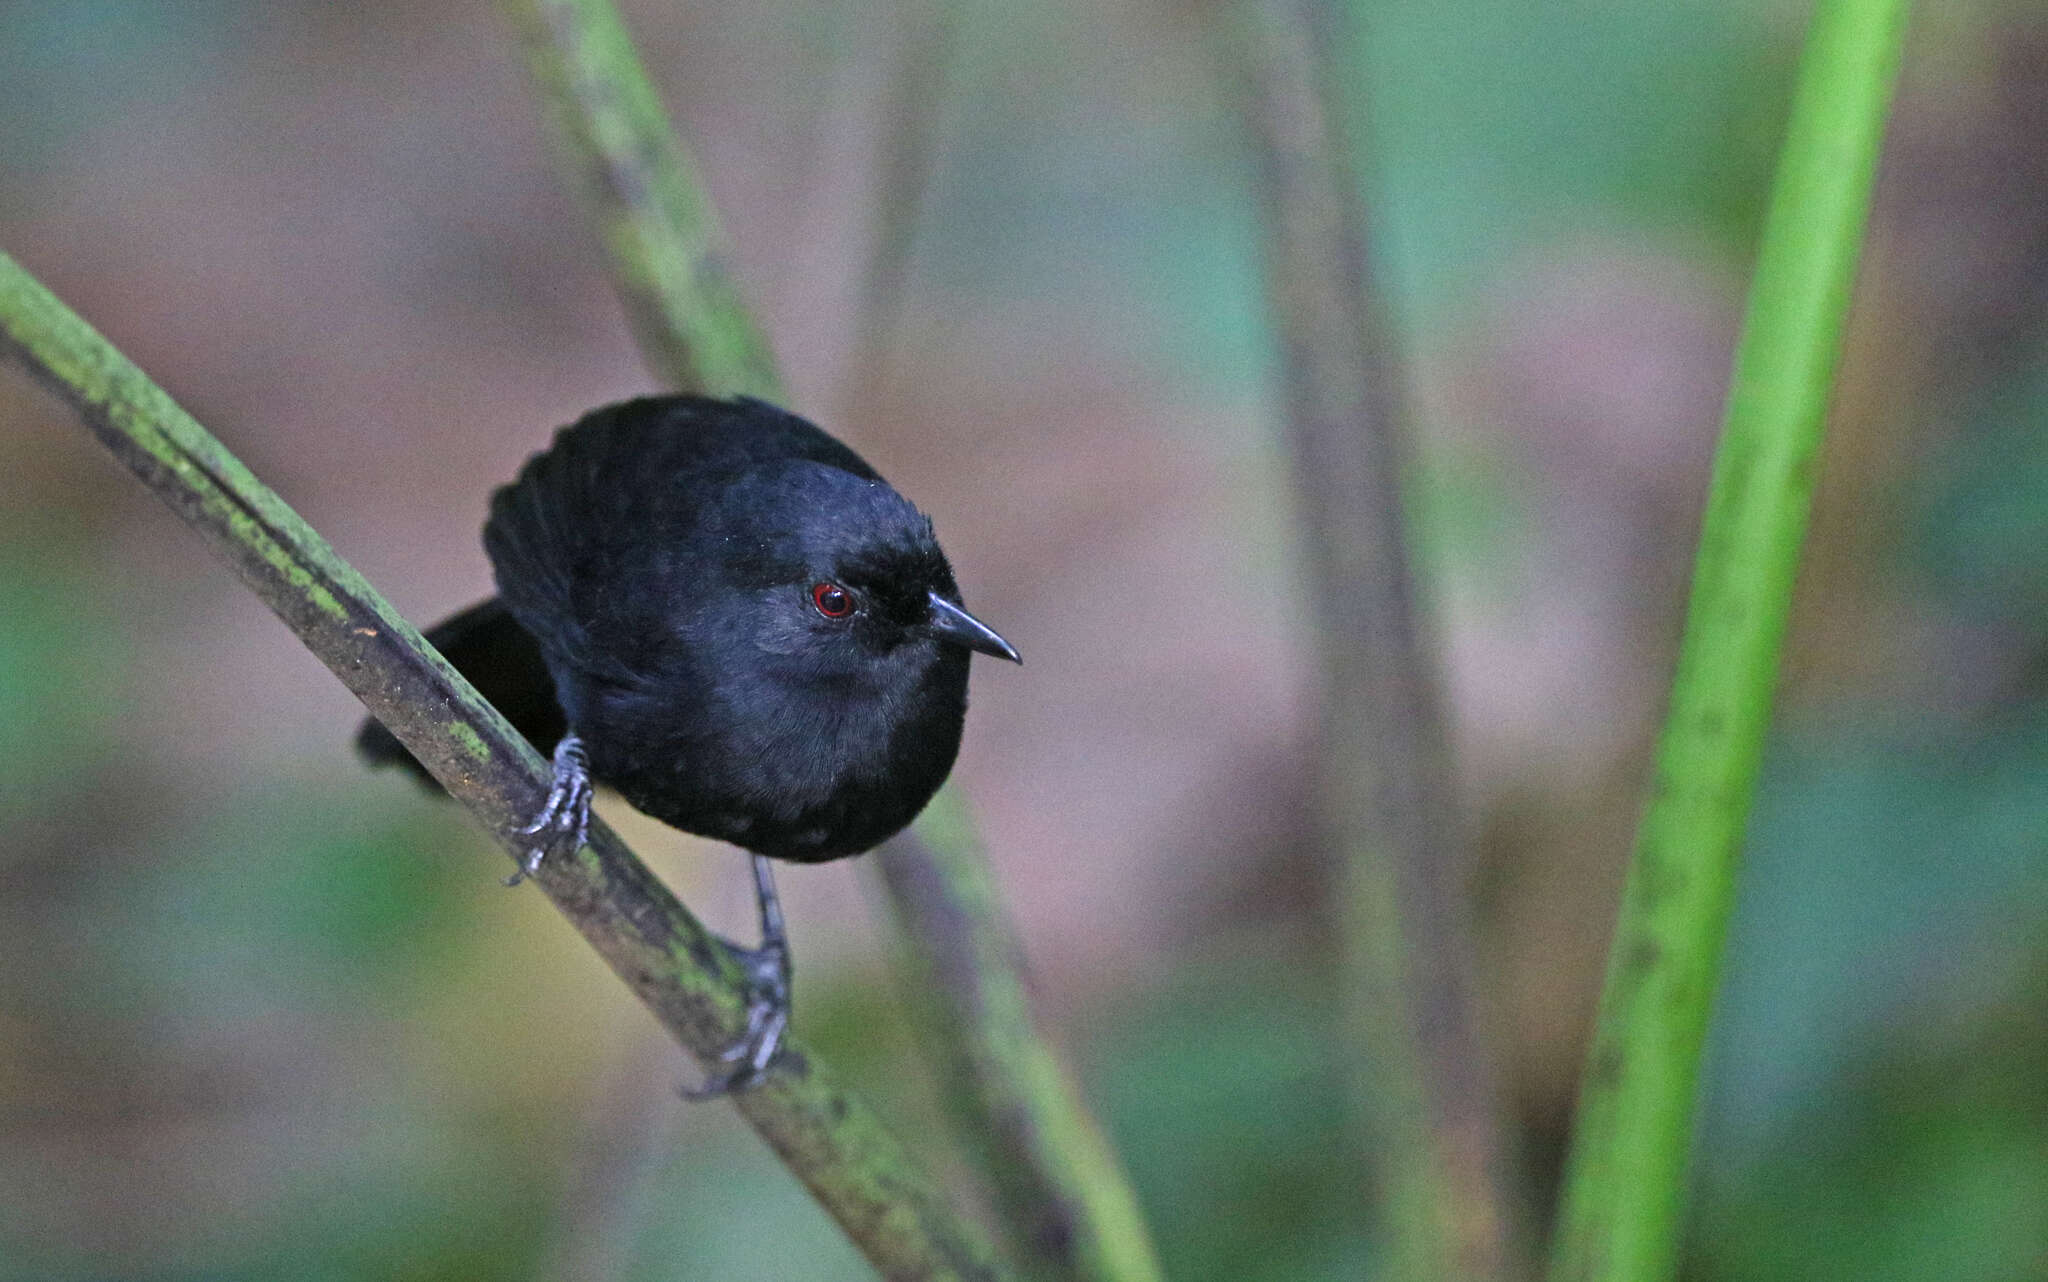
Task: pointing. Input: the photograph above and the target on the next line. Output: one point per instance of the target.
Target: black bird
(726, 615)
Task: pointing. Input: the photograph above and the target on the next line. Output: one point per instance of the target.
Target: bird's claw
(768, 1001)
(564, 819)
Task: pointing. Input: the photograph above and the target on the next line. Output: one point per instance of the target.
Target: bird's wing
(555, 532)
(487, 645)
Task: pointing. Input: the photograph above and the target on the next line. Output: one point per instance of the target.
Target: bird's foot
(564, 820)
(768, 1003)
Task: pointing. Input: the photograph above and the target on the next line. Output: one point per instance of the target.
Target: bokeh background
(266, 1014)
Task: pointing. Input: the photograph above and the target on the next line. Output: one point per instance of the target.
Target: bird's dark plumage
(656, 568)
(726, 615)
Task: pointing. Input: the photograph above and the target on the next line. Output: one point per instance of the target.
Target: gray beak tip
(950, 622)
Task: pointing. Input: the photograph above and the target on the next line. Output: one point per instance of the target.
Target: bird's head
(847, 582)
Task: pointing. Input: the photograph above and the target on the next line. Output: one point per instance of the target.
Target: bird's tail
(503, 661)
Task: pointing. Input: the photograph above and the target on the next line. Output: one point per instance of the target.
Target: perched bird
(724, 614)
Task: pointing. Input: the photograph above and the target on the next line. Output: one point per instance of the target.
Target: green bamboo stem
(1625, 1181)
(659, 227)
(1386, 807)
(856, 1169)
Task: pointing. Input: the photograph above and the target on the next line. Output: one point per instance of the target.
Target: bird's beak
(951, 623)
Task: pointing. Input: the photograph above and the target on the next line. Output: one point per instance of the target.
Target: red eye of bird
(833, 601)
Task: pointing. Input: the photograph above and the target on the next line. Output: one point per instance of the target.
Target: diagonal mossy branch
(1068, 1208)
(1422, 1085)
(856, 1169)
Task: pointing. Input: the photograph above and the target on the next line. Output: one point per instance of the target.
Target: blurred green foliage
(1922, 1158)
(62, 662)
(1876, 1105)
(1982, 514)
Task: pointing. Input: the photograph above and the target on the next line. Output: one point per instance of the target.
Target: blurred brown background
(265, 1014)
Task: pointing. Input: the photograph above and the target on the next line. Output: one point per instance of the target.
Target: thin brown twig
(668, 254)
(924, 39)
(1385, 797)
(1067, 1206)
